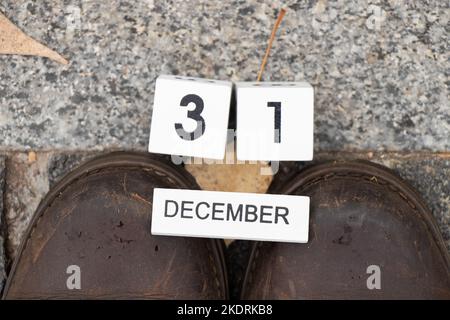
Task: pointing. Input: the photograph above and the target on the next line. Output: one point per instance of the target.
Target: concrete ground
(380, 70)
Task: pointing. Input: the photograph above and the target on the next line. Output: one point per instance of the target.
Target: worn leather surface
(99, 219)
(361, 215)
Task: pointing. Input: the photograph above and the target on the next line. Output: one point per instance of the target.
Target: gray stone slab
(380, 71)
(2, 226)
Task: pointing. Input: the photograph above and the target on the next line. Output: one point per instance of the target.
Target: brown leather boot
(371, 237)
(90, 238)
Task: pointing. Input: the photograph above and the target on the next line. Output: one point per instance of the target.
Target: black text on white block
(275, 121)
(190, 117)
(230, 215)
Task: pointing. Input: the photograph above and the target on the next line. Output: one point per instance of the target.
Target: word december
(226, 212)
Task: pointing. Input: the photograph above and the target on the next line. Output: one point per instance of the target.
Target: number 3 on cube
(275, 121)
(190, 117)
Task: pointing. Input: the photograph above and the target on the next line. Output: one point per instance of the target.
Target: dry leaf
(31, 157)
(14, 41)
(231, 177)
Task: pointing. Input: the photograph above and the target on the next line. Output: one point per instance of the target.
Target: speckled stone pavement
(380, 70)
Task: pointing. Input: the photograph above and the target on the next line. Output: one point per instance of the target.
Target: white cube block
(190, 117)
(275, 121)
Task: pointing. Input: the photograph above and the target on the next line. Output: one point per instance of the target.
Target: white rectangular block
(275, 121)
(190, 117)
(230, 215)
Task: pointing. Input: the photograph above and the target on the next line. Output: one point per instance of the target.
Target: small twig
(272, 37)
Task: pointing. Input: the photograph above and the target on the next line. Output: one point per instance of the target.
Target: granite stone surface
(2, 226)
(380, 69)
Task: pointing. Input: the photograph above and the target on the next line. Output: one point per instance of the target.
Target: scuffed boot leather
(98, 219)
(371, 237)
